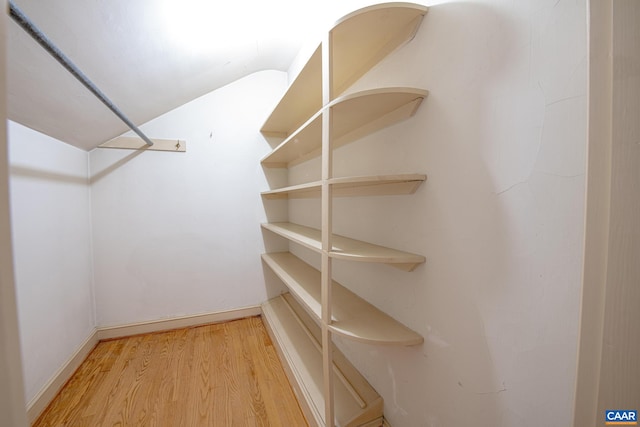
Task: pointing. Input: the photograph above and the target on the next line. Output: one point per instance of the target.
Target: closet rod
(38, 36)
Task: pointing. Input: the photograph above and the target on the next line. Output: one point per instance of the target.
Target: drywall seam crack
(510, 187)
(568, 98)
(492, 392)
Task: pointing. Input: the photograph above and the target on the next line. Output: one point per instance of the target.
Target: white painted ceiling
(148, 56)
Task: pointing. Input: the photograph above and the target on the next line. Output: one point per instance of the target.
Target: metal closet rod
(38, 36)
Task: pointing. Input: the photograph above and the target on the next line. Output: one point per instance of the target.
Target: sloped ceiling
(148, 56)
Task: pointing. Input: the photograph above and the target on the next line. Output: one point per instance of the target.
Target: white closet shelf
(378, 185)
(359, 41)
(298, 344)
(351, 316)
(354, 116)
(346, 248)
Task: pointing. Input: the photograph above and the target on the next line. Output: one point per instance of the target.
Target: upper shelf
(346, 248)
(354, 116)
(359, 41)
(385, 185)
(351, 316)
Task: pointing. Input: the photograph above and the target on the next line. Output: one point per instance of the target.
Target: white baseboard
(39, 403)
(41, 400)
(110, 332)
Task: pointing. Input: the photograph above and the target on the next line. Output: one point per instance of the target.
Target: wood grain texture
(226, 374)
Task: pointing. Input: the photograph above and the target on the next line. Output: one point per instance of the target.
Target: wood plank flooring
(221, 375)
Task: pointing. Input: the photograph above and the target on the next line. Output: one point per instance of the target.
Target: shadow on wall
(26, 172)
(95, 177)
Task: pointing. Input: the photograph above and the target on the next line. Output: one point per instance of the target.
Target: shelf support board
(134, 143)
(327, 230)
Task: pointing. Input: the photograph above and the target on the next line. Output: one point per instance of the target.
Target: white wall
(12, 404)
(52, 249)
(178, 233)
(502, 138)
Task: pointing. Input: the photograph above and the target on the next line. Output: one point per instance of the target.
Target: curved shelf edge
(352, 317)
(420, 9)
(361, 39)
(346, 330)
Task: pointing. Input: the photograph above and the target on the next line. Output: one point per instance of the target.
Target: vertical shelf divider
(327, 231)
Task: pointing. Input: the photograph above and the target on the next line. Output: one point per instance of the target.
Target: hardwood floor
(221, 375)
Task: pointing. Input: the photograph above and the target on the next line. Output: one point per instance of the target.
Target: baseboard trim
(111, 332)
(39, 403)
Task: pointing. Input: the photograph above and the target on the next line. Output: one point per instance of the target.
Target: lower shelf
(352, 316)
(297, 339)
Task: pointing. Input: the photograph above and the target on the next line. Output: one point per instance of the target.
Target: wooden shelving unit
(351, 317)
(314, 118)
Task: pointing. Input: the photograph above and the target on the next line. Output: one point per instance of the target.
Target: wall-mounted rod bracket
(133, 143)
(24, 22)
